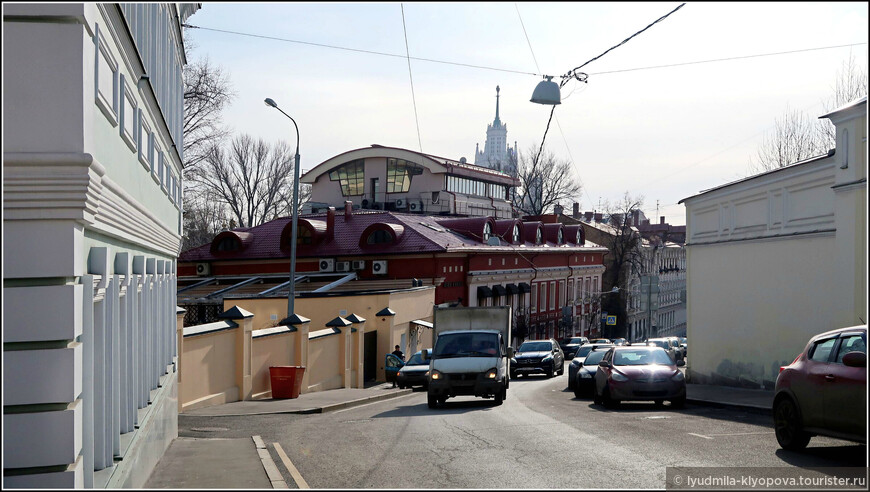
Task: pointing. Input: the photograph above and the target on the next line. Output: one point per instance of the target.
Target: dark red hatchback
(824, 391)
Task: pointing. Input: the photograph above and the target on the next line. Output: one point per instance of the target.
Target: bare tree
(798, 136)
(624, 255)
(544, 182)
(254, 181)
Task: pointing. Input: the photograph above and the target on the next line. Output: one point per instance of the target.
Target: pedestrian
(401, 355)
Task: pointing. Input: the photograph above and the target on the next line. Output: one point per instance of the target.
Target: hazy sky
(661, 133)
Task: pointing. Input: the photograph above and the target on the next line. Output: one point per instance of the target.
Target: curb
(734, 406)
(322, 409)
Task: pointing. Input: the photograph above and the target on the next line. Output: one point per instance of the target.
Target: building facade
(92, 228)
(542, 271)
(394, 179)
(776, 258)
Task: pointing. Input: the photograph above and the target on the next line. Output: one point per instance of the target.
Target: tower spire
(496, 105)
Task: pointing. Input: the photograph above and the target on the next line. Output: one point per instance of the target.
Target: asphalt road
(541, 437)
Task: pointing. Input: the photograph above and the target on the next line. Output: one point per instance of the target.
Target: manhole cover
(209, 429)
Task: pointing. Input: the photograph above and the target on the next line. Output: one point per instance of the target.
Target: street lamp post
(294, 215)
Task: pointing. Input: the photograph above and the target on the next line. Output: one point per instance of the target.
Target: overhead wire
(413, 96)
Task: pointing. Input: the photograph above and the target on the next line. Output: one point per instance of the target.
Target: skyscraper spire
(496, 122)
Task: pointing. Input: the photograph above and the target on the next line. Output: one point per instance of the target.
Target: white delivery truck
(471, 353)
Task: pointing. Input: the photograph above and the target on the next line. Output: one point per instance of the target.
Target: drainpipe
(454, 201)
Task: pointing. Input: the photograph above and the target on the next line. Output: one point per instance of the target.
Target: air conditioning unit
(342, 266)
(203, 269)
(358, 264)
(365, 203)
(416, 206)
(401, 203)
(327, 265)
(379, 267)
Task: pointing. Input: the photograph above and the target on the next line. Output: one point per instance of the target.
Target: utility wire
(370, 52)
(413, 97)
(573, 74)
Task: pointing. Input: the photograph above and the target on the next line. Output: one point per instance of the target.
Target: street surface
(541, 437)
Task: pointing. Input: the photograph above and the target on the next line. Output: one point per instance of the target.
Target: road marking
(372, 403)
(744, 433)
(699, 435)
(300, 482)
(272, 472)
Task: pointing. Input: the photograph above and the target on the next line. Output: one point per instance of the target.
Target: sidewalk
(247, 463)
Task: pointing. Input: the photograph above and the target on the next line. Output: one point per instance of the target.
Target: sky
(648, 122)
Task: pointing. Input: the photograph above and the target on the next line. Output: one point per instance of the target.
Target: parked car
(601, 340)
(684, 342)
(824, 391)
(538, 356)
(619, 341)
(579, 360)
(641, 374)
(570, 345)
(584, 379)
(415, 372)
(666, 345)
(678, 349)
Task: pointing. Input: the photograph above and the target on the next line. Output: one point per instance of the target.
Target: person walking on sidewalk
(401, 355)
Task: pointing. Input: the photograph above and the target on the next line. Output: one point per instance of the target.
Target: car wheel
(607, 400)
(571, 384)
(789, 431)
(432, 400)
(562, 368)
(551, 370)
(401, 386)
(578, 393)
(679, 402)
(514, 375)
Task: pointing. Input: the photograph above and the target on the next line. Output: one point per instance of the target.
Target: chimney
(576, 210)
(588, 216)
(662, 219)
(348, 210)
(330, 222)
(597, 217)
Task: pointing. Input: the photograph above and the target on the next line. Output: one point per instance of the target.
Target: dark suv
(824, 391)
(570, 345)
(538, 356)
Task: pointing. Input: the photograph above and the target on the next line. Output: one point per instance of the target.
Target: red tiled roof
(421, 234)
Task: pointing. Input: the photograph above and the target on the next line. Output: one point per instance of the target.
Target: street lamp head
(547, 92)
(270, 102)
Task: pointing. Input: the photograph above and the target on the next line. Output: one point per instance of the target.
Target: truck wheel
(432, 400)
(499, 397)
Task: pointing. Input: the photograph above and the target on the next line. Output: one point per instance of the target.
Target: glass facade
(351, 176)
(399, 174)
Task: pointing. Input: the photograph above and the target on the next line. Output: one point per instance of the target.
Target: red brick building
(540, 270)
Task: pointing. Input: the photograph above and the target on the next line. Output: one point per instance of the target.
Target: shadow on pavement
(845, 455)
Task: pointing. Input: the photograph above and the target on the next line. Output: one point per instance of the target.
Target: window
(228, 244)
(821, 350)
(543, 302)
(146, 146)
(538, 236)
(515, 235)
(351, 177)
(559, 238)
(399, 174)
(129, 114)
(106, 79)
(553, 295)
(304, 236)
(534, 298)
(487, 232)
(379, 237)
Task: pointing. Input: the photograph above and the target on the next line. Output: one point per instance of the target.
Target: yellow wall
(209, 363)
(273, 350)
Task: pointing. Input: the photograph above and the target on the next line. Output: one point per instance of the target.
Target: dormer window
(487, 232)
(579, 239)
(559, 237)
(228, 243)
(379, 237)
(304, 236)
(515, 235)
(539, 235)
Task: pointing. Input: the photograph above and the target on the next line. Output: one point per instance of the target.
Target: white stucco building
(92, 135)
(776, 258)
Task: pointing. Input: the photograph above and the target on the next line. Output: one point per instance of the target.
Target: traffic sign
(611, 321)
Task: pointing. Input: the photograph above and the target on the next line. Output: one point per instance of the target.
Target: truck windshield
(466, 345)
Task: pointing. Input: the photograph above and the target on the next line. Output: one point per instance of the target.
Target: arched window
(579, 239)
(559, 238)
(304, 236)
(379, 236)
(539, 235)
(228, 243)
(515, 236)
(487, 231)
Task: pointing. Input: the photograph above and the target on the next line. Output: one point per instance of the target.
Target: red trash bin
(286, 381)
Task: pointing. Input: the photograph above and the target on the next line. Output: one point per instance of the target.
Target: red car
(824, 391)
(640, 373)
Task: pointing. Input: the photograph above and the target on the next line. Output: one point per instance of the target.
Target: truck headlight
(435, 374)
(492, 373)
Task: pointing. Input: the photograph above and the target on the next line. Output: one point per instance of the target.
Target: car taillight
(792, 362)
